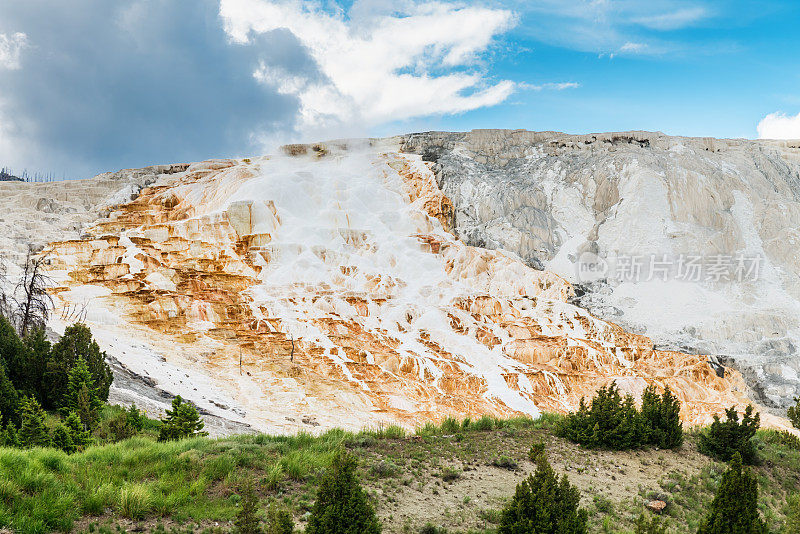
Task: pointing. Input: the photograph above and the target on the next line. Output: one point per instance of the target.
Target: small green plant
(536, 451)
(544, 505)
(135, 418)
(649, 526)
(722, 440)
(792, 525)
(279, 521)
(183, 421)
(80, 436)
(781, 438)
(134, 501)
(9, 436)
(385, 469)
(342, 506)
(504, 462)
(450, 425)
(247, 521)
(62, 439)
(603, 504)
(735, 505)
(485, 423)
(491, 516)
(449, 474)
(793, 413)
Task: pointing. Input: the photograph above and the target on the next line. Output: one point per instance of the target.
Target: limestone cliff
(552, 198)
(328, 287)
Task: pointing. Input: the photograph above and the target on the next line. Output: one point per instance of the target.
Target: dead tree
(6, 302)
(32, 301)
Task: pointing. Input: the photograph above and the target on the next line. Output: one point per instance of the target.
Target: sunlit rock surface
(551, 198)
(326, 287)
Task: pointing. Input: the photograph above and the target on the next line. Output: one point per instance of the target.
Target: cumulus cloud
(380, 61)
(92, 85)
(779, 126)
(11, 46)
(106, 85)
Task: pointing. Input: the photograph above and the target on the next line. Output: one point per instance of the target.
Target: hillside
(457, 477)
(357, 283)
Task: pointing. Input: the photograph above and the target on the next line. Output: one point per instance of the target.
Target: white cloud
(779, 126)
(632, 48)
(11, 47)
(381, 61)
(673, 20)
(606, 26)
(559, 86)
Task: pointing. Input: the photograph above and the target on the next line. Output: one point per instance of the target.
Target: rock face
(327, 287)
(714, 224)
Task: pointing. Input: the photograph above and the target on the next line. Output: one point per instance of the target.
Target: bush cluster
(613, 421)
(723, 439)
(70, 378)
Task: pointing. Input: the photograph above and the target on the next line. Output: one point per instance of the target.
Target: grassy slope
(449, 476)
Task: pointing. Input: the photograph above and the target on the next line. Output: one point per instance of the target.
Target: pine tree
(62, 439)
(135, 418)
(34, 431)
(29, 373)
(183, 421)
(81, 396)
(247, 521)
(12, 349)
(544, 505)
(342, 506)
(9, 399)
(10, 436)
(734, 509)
(77, 342)
(722, 439)
(661, 417)
(611, 422)
(79, 435)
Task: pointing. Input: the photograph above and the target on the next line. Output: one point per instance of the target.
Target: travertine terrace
(326, 287)
(551, 198)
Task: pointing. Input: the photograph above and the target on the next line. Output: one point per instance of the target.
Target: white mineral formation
(552, 198)
(337, 284)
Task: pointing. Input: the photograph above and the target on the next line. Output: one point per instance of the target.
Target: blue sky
(94, 85)
(717, 75)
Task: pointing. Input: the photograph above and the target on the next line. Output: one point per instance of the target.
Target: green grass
(198, 480)
(42, 490)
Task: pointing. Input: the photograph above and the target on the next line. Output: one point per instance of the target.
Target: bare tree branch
(31, 299)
